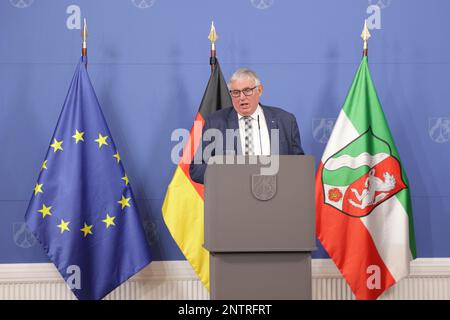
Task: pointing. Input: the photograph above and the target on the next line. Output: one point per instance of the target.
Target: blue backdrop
(149, 64)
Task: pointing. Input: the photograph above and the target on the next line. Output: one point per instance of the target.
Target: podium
(259, 229)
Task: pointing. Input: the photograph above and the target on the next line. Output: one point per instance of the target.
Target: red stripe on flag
(190, 150)
(350, 245)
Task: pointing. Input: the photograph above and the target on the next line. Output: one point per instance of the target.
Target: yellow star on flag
(56, 145)
(124, 202)
(45, 211)
(78, 136)
(117, 156)
(38, 188)
(64, 225)
(101, 140)
(86, 229)
(109, 221)
(125, 178)
(44, 165)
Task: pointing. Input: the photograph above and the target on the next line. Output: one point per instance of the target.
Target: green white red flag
(364, 217)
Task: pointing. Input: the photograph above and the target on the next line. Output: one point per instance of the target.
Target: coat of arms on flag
(357, 179)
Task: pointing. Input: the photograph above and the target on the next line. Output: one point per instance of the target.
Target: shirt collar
(254, 115)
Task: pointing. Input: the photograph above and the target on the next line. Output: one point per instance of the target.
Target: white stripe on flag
(389, 227)
(364, 159)
(343, 133)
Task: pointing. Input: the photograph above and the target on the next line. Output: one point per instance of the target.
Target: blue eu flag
(82, 209)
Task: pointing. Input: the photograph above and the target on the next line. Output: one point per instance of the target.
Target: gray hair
(244, 73)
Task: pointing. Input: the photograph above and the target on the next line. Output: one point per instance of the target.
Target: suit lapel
(234, 125)
(271, 121)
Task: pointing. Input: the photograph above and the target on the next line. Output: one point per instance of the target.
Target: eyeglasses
(247, 92)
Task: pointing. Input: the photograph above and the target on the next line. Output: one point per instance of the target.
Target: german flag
(183, 205)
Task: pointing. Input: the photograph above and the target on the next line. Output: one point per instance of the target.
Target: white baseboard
(429, 279)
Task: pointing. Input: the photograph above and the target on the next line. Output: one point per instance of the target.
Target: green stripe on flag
(369, 112)
(365, 143)
(343, 176)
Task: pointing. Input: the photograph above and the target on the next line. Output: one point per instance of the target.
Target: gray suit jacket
(276, 118)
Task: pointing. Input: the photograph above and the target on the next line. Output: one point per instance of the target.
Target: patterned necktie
(248, 136)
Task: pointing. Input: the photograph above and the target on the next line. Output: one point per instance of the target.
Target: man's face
(245, 105)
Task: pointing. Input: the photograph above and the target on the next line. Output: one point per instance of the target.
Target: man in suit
(252, 123)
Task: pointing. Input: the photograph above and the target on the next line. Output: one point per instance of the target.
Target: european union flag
(82, 209)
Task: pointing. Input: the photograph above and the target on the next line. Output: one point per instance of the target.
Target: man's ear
(260, 89)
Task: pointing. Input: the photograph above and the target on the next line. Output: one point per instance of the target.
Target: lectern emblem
(264, 187)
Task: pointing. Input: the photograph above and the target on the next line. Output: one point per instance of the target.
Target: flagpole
(84, 35)
(365, 35)
(212, 37)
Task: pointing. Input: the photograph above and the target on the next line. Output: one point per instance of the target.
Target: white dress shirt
(260, 132)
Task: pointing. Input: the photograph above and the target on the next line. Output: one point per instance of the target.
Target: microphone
(260, 142)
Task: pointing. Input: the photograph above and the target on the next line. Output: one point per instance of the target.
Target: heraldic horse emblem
(373, 184)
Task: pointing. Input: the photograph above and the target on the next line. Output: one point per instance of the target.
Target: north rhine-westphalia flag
(364, 217)
(183, 205)
(82, 209)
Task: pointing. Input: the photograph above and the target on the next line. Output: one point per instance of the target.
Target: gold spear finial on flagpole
(84, 35)
(213, 38)
(365, 35)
